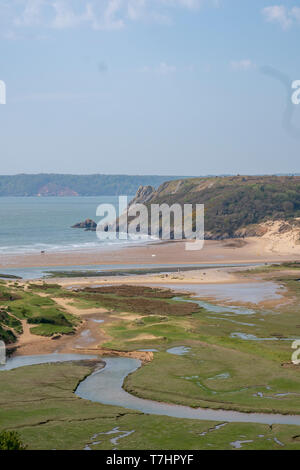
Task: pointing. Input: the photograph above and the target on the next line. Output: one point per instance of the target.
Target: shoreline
(254, 250)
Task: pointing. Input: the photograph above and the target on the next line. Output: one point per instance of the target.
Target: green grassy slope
(50, 416)
(233, 203)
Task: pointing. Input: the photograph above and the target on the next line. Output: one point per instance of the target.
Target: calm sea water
(32, 224)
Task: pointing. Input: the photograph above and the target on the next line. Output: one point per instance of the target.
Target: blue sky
(183, 87)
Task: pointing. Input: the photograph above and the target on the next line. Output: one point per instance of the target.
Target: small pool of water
(252, 292)
(179, 350)
(248, 337)
(224, 375)
(148, 350)
(219, 308)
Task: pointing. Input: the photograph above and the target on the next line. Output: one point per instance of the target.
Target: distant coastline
(65, 185)
(68, 185)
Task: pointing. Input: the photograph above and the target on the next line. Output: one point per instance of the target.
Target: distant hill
(75, 185)
(235, 206)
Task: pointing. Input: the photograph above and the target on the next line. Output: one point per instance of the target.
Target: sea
(34, 224)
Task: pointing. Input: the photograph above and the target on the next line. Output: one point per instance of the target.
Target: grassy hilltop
(233, 204)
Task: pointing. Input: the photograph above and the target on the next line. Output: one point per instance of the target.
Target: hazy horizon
(153, 174)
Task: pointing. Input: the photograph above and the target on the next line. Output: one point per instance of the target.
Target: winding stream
(21, 361)
(106, 387)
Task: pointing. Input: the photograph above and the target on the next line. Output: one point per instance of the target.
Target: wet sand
(253, 250)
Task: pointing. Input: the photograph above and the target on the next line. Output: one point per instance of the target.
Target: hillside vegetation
(42, 314)
(233, 205)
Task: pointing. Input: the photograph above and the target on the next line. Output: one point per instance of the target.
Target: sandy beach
(193, 277)
(236, 251)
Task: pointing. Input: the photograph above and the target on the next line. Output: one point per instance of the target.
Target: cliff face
(235, 207)
(143, 195)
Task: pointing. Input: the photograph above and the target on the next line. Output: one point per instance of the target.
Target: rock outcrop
(143, 195)
(88, 225)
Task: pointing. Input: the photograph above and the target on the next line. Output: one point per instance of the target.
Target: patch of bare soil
(67, 305)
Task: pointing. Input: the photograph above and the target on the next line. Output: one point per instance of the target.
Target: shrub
(10, 440)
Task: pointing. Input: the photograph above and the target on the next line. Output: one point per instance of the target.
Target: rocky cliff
(235, 207)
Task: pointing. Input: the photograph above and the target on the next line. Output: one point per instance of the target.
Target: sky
(169, 87)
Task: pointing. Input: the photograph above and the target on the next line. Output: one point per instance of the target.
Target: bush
(7, 336)
(10, 440)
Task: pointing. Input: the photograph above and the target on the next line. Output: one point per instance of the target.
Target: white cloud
(282, 15)
(96, 14)
(136, 9)
(295, 13)
(31, 14)
(277, 14)
(63, 14)
(66, 18)
(109, 17)
(244, 64)
(190, 4)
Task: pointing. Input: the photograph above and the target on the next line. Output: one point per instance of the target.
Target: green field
(39, 403)
(43, 313)
(218, 371)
